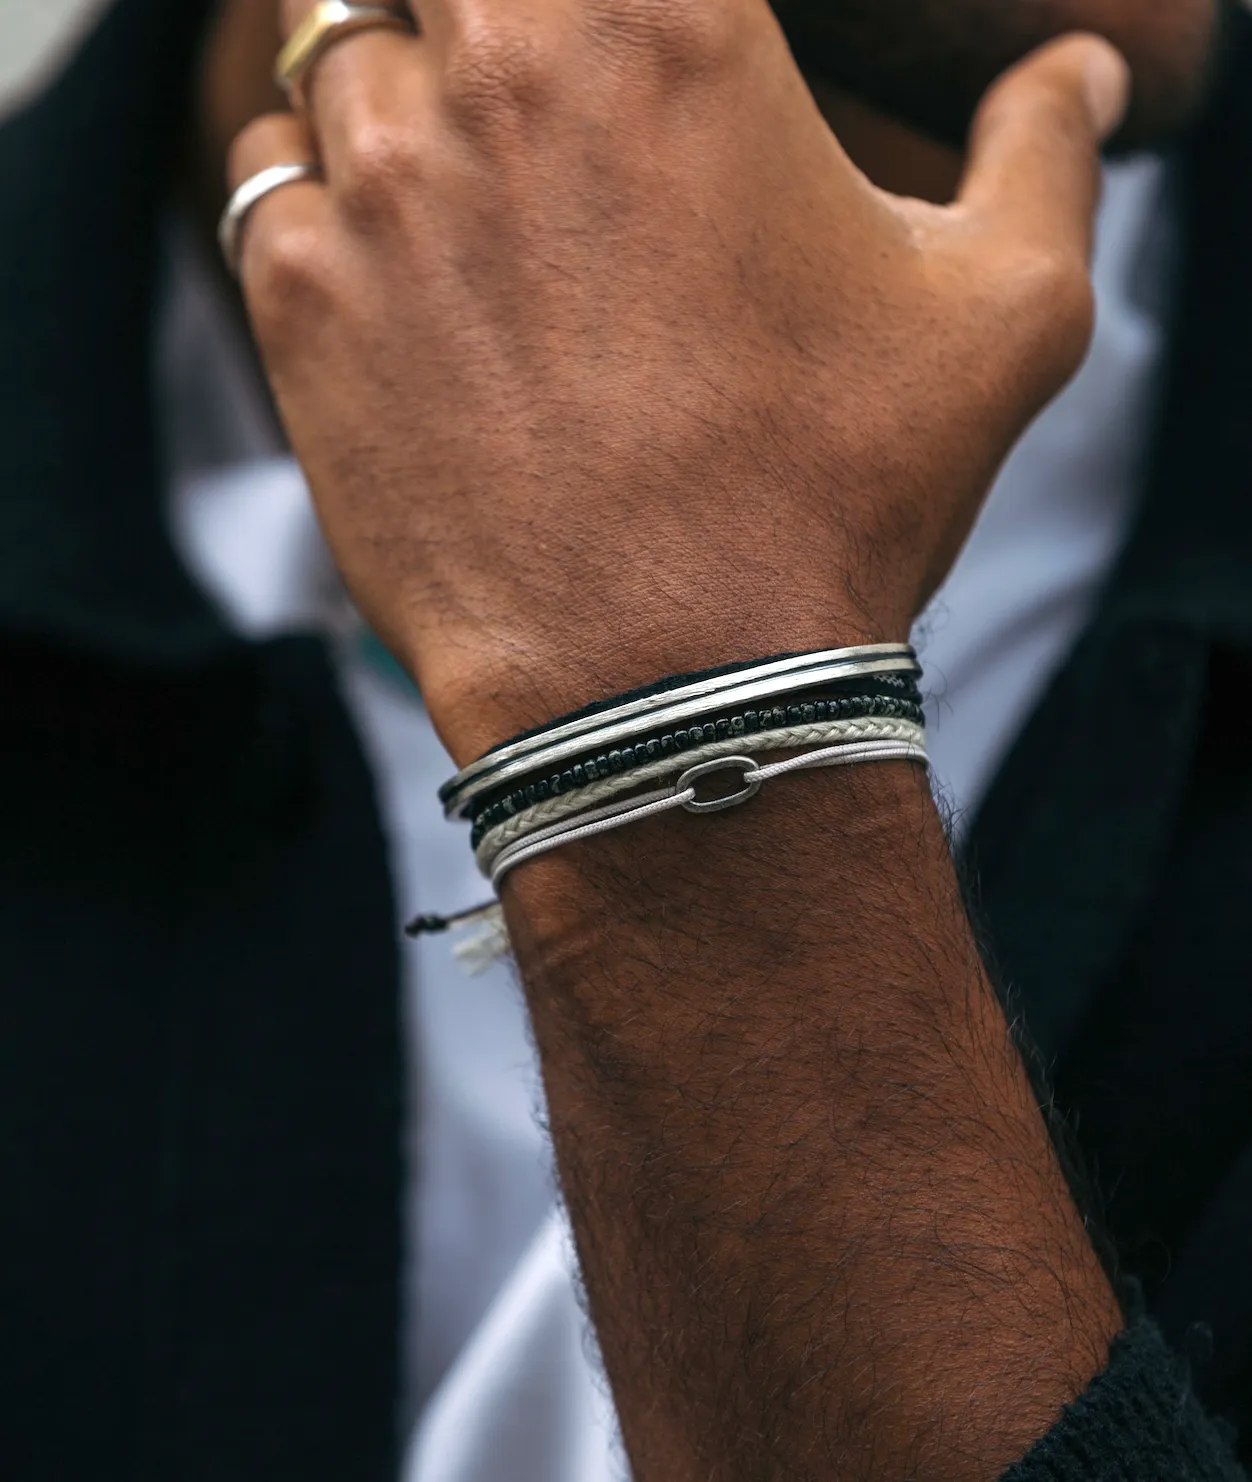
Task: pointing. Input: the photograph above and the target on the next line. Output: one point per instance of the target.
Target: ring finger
(273, 140)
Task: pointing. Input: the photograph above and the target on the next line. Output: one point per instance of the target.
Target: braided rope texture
(819, 733)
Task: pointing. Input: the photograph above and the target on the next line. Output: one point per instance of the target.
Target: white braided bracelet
(588, 823)
(785, 738)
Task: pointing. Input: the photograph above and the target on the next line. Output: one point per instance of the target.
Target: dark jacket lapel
(1065, 850)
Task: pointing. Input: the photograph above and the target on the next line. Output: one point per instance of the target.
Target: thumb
(1033, 171)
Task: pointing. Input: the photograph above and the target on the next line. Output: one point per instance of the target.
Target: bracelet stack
(586, 772)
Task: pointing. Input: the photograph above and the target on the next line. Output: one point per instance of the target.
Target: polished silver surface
(249, 195)
(506, 753)
(659, 712)
(751, 783)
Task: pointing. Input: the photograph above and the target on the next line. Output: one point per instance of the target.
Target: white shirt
(502, 1384)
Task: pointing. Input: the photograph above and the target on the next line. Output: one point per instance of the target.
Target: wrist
(511, 676)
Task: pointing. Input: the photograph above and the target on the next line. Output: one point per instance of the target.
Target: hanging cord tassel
(480, 949)
(486, 946)
(422, 926)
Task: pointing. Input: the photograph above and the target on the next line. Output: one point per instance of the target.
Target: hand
(604, 362)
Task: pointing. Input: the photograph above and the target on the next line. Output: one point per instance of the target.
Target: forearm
(820, 1221)
(591, 321)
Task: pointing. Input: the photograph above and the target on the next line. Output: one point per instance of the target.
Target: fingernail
(1108, 87)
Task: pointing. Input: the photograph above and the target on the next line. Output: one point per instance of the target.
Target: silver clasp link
(751, 783)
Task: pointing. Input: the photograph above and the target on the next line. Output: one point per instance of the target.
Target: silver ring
(254, 190)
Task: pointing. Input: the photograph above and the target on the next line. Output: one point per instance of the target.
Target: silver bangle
(606, 728)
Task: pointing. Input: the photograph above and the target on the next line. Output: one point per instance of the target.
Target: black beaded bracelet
(671, 702)
(589, 768)
(893, 698)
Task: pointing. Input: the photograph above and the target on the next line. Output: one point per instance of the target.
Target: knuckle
(1057, 288)
(379, 168)
(1076, 313)
(1051, 297)
(687, 38)
(285, 278)
(237, 157)
(1045, 106)
(1063, 116)
(250, 150)
(497, 70)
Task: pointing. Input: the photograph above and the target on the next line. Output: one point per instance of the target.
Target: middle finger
(356, 74)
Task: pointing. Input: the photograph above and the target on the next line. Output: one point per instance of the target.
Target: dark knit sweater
(1137, 1422)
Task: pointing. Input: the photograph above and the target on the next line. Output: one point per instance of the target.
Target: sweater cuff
(1138, 1421)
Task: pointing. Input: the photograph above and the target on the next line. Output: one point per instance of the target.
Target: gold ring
(329, 21)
